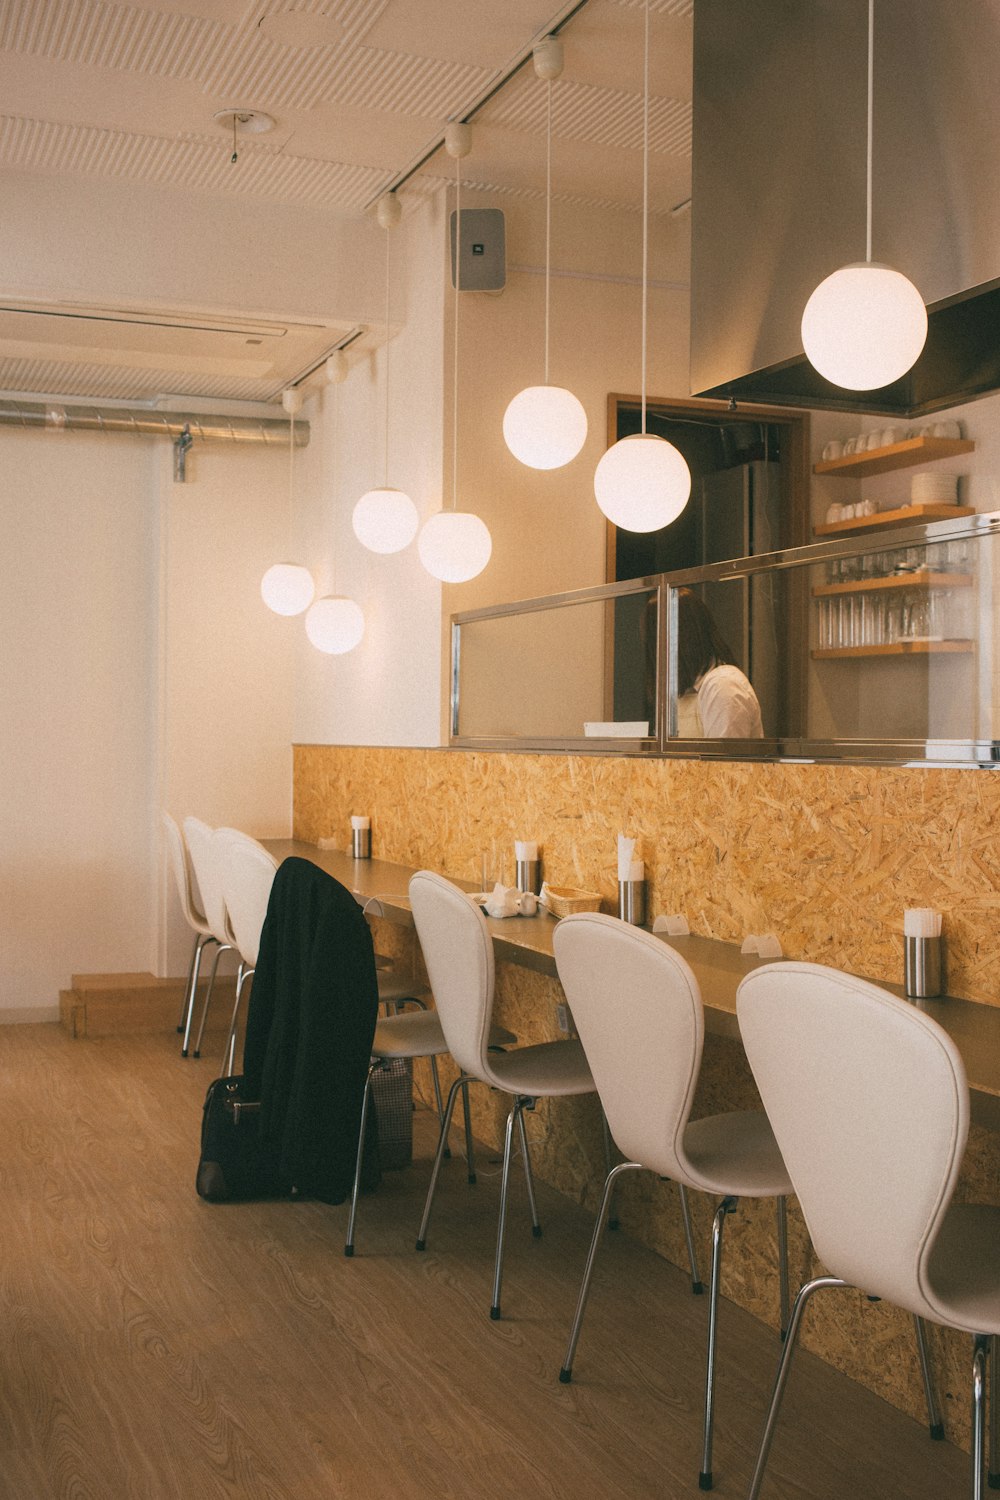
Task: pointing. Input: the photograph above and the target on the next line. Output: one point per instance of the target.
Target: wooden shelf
(886, 518)
(920, 450)
(896, 648)
(922, 580)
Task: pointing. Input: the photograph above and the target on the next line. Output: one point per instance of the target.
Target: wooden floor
(156, 1347)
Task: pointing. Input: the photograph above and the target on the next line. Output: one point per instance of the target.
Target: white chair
(180, 864)
(198, 838)
(870, 1106)
(246, 873)
(638, 1010)
(458, 952)
(397, 1038)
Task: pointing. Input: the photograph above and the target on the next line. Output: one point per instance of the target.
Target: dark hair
(699, 644)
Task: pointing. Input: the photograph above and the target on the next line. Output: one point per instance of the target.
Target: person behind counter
(715, 700)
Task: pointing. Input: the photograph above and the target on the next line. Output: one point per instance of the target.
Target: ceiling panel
(199, 164)
(91, 88)
(584, 113)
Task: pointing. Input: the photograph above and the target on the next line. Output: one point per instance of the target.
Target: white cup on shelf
(834, 449)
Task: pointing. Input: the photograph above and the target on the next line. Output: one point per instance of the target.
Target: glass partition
(877, 648)
(545, 672)
(880, 648)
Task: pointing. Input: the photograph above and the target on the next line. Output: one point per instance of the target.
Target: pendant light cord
(548, 222)
(645, 202)
(385, 481)
(871, 114)
(458, 272)
(291, 470)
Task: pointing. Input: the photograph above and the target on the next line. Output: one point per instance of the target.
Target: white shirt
(721, 706)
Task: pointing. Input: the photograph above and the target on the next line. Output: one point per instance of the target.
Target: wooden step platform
(137, 1004)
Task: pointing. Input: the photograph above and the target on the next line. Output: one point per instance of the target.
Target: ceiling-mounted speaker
(483, 263)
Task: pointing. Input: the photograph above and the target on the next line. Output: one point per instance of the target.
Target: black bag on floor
(234, 1165)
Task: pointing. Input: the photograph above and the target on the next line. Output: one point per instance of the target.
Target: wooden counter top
(719, 966)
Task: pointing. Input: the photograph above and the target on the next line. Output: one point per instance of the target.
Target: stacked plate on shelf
(934, 489)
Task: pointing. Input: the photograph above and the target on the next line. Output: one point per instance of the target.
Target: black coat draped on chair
(310, 1026)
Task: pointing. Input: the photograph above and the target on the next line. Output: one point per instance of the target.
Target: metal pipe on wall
(180, 427)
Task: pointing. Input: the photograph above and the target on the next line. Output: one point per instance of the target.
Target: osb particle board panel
(826, 857)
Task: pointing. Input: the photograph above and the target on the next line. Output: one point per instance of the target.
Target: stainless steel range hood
(779, 188)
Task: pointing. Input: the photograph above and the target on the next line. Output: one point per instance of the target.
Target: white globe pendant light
(865, 325)
(455, 545)
(545, 426)
(385, 519)
(643, 482)
(335, 624)
(288, 588)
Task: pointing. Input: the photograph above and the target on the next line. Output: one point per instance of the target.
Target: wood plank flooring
(157, 1347)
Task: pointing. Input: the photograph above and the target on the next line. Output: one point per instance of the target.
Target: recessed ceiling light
(300, 28)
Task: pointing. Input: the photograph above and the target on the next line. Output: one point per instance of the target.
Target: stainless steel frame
(646, 746)
(875, 751)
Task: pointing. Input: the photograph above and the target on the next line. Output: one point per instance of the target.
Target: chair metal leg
(979, 1356)
(470, 1159)
(191, 994)
(183, 1023)
(783, 1299)
(460, 1081)
(229, 1055)
(536, 1227)
(697, 1285)
(993, 1406)
(502, 1220)
(435, 1078)
(610, 1182)
(220, 950)
(934, 1423)
(726, 1207)
(373, 1067)
(436, 1081)
(784, 1363)
(613, 1221)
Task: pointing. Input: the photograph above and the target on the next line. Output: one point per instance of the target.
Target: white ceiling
(359, 91)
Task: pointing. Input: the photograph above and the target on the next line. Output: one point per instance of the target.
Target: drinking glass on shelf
(877, 626)
(937, 613)
(918, 614)
(825, 625)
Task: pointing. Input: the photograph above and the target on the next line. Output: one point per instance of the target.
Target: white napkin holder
(764, 944)
(674, 924)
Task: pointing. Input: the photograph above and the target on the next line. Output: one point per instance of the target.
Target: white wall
(225, 690)
(78, 536)
(386, 691)
(548, 534)
(139, 669)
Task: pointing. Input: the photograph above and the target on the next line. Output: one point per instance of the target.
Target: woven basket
(563, 899)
